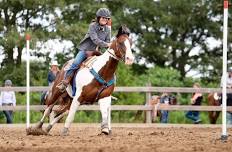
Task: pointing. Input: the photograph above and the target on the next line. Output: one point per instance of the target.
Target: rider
(98, 35)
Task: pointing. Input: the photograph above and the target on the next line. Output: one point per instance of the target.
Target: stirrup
(61, 86)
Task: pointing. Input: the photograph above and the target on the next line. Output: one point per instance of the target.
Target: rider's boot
(64, 83)
(80, 57)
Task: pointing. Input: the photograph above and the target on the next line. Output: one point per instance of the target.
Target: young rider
(98, 35)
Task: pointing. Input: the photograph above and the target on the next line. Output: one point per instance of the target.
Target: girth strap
(102, 81)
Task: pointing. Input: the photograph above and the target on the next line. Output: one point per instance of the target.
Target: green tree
(175, 33)
(20, 17)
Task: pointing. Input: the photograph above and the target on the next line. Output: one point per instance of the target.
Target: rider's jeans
(80, 57)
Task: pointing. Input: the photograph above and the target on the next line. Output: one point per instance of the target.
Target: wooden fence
(147, 90)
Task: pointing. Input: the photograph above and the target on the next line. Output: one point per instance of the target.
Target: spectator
(195, 101)
(229, 113)
(229, 95)
(7, 98)
(54, 70)
(165, 98)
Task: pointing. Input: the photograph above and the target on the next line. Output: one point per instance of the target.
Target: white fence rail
(126, 107)
(148, 90)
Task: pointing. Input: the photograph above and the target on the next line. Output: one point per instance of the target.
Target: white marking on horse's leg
(52, 116)
(72, 112)
(109, 116)
(104, 107)
(55, 120)
(46, 112)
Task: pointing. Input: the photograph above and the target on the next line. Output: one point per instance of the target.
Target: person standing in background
(54, 70)
(7, 98)
(52, 73)
(195, 101)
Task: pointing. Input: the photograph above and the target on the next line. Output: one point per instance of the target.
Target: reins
(117, 49)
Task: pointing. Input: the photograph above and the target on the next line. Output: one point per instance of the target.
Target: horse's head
(122, 46)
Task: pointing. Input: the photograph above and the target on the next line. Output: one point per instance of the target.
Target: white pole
(28, 79)
(224, 67)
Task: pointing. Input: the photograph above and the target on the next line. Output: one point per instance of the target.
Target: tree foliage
(167, 33)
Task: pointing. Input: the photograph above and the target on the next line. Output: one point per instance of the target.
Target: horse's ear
(123, 30)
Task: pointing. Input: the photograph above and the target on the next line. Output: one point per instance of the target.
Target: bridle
(118, 49)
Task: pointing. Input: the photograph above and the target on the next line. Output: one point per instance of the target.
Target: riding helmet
(103, 12)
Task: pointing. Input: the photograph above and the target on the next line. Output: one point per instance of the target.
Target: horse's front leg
(105, 107)
(75, 104)
(46, 113)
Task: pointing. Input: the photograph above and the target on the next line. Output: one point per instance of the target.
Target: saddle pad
(71, 89)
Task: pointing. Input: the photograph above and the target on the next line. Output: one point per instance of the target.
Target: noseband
(122, 58)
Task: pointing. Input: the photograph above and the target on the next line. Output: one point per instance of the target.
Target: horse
(213, 100)
(94, 83)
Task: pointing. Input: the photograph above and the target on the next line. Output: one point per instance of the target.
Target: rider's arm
(93, 30)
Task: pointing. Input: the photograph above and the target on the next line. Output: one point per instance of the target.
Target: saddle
(88, 62)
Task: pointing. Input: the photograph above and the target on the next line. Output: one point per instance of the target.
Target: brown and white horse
(88, 88)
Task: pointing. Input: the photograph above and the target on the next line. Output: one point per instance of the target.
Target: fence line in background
(148, 90)
(129, 89)
(125, 108)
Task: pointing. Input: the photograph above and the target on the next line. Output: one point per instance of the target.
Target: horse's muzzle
(129, 60)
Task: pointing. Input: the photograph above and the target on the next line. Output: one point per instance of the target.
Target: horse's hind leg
(46, 113)
(105, 112)
(55, 120)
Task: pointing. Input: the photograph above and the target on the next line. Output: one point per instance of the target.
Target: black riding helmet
(103, 12)
(123, 30)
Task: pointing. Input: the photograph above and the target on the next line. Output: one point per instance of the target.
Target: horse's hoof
(49, 127)
(35, 131)
(105, 131)
(64, 132)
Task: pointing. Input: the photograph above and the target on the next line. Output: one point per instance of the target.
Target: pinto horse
(95, 83)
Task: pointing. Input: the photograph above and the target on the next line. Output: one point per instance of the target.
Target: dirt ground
(124, 138)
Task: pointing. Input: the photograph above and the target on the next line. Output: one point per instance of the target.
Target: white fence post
(224, 67)
(28, 78)
(148, 112)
